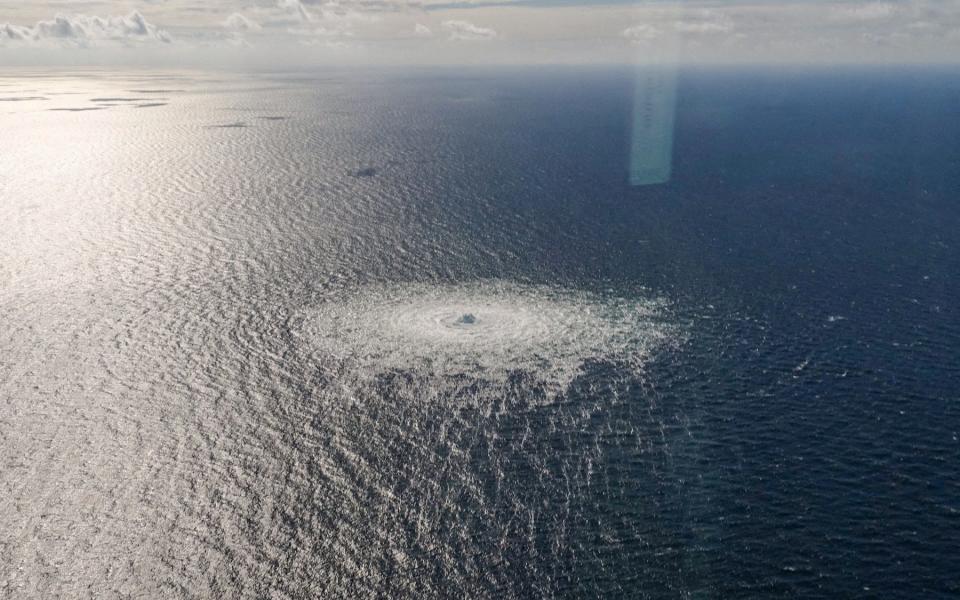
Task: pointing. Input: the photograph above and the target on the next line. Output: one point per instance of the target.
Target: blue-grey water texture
(233, 362)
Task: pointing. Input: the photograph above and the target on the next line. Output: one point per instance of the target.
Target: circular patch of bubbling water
(487, 331)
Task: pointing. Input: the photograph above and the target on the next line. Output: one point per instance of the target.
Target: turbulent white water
(487, 331)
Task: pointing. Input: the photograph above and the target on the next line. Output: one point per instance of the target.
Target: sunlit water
(413, 335)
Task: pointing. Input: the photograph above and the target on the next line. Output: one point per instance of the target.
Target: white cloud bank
(464, 30)
(758, 31)
(490, 31)
(83, 30)
(240, 23)
(643, 32)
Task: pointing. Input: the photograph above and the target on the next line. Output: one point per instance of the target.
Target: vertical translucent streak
(654, 101)
(651, 144)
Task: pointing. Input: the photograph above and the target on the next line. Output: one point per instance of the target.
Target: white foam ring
(485, 332)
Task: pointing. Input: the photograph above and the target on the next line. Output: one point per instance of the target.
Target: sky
(297, 33)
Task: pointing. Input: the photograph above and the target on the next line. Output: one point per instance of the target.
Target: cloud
(238, 22)
(554, 30)
(83, 30)
(422, 31)
(873, 11)
(296, 10)
(706, 22)
(373, 6)
(14, 33)
(641, 33)
(464, 30)
(328, 20)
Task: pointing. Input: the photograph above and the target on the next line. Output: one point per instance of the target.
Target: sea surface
(413, 334)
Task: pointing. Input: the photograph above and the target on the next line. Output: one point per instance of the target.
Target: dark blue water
(813, 222)
(818, 214)
(173, 427)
